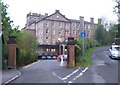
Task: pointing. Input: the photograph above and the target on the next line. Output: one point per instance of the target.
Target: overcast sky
(72, 9)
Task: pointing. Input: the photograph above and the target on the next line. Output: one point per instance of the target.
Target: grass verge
(86, 60)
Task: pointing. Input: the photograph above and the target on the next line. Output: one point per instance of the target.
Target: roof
(57, 11)
(78, 21)
(43, 17)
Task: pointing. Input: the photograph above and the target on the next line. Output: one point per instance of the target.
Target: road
(103, 70)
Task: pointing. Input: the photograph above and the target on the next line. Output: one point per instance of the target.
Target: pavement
(9, 75)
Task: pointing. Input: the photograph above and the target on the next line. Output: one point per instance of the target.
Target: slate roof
(78, 21)
(43, 17)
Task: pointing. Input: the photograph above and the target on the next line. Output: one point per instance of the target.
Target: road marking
(57, 76)
(19, 74)
(30, 64)
(80, 74)
(85, 70)
(70, 81)
(69, 75)
(76, 77)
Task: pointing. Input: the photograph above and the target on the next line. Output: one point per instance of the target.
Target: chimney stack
(92, 21)
(46, 14)
(99, 21)
(81, 23)
(57, 11)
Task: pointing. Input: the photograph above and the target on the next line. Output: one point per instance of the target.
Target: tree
(117, 11)
(26, 43)
(6, 22)
(100, 34)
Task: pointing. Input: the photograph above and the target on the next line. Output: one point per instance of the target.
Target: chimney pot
(91, 20)
(99, 21)
(46, 14)
(56, 11)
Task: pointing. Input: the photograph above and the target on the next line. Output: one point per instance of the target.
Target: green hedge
(25, 57)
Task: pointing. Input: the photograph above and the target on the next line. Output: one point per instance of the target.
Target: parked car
(49, 57)
(43, 57)
(114, 52)
(54, 57)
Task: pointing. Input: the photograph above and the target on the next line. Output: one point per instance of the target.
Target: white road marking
(80, 74)
(69, 75)
(70, 82)
(19, 74)
(76, 77)
(85, 70)
(57, 76)
(30, 65)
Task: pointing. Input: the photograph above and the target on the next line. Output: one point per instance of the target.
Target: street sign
(83, 34)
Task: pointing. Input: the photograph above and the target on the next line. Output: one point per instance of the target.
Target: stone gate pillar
(12, 52)
(71, 52)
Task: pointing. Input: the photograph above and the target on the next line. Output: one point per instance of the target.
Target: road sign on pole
(83, 34)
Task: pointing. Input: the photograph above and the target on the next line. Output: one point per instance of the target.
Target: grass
(86, 60)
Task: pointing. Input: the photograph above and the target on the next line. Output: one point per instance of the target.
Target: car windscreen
(116, 48)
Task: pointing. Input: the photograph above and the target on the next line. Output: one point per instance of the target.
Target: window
(78, 30)
(60, 32)
(66, 25)
(60, 24)
(74, 31)
(47, 23)
(88, 26)
(46, 38)
(47, 50)
(53, 31)
(47, 31)
(53, 24)
(74, 24)
(85, 26)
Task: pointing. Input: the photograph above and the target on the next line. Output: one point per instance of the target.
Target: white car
(115, 52)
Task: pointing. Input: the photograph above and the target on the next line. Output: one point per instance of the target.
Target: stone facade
(49, 29)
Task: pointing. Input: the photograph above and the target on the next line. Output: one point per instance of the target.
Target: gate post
(12, 52)
(71, 52)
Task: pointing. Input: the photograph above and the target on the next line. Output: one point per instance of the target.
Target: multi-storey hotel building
(51, 28)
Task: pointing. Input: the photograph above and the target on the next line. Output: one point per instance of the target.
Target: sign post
(83, 35)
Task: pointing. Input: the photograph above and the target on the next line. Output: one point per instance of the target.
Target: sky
(72, 9)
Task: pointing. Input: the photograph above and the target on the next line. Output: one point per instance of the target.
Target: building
(50, 29)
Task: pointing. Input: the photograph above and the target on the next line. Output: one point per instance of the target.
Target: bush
(25, 57)
(78, 47)
(88, 48)
(27, 46)
(85, 60)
